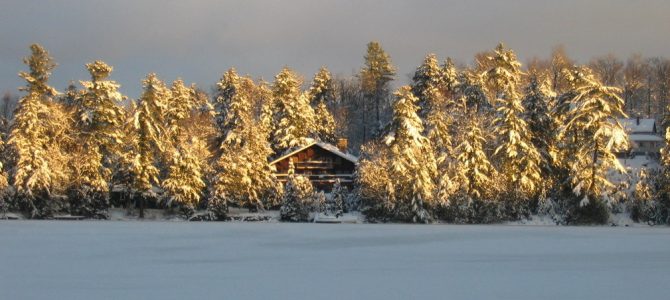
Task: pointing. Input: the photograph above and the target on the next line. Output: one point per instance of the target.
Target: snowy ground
(182, 260)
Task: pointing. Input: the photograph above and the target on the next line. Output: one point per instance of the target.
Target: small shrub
(298, 199)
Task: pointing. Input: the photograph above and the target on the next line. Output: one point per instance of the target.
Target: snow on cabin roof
(328, 147)
(631, 125)
(645, 137)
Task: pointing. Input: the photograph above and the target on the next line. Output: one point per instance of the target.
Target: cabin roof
(323, 145)
(631, 125)
(637, 137)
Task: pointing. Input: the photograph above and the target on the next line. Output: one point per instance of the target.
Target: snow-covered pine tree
(243, 175)
(471, 92)
(267, 104)
(33, 176)
(180, 105)
(426, 84)
(294, 117)
(643, 204)
(184, 183)
(122, 168)
(517, 158)
(435, 91)
(537, 113)
(375, 189)
(261, 142)
(321, 94)
(375, 76)
(412, 163)
(148, 122)
(99, 121)
(589, 140)
(234, 119)
(335, 204)
(298, 198)
(449, 81)
(263, 182)
(475, 172)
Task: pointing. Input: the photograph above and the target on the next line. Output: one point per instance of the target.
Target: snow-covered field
(181, 260)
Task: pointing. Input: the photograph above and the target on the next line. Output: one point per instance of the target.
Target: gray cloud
(198, 40)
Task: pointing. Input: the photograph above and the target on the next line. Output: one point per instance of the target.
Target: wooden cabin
(321, 163)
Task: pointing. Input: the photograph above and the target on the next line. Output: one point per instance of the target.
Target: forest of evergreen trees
(488, 142)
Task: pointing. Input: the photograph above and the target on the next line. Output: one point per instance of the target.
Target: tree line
(467, 144)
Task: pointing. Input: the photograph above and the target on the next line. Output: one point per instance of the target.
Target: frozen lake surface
(180, 260)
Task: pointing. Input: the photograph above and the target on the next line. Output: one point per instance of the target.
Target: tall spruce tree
(376, 75)
(412, 162)
(518, 159)
(434, 90)
(180, 106)
(475, 171)
(294, 117)
(184, 182)
(591, 136)
(148, 122)
(98, 120)
(34, 177)
(426, 84)
(537, 113)
(243, 175)
(321, 94)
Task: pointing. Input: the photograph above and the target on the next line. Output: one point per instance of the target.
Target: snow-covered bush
(459, 210)
(217, 208)
(351, 202)
(547, 207)
(40, 207)
(647, 203)
(298, 199)
(319, 202)
(514, 206)
(462, 209)
(579, 211)
(90, 203)
(273, 197)
(374, 191)
(4, 204)
(335, 203)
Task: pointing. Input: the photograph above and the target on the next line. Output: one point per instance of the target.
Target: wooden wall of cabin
(322, 167)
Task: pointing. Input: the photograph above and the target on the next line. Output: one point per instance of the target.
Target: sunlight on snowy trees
(97, 140)
(487, 142)
(243, 175)
(37, 175)
(320, 94)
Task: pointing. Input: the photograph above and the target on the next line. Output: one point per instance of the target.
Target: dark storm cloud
(198, 40)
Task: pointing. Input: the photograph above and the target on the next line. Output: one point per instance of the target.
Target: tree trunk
(593, 167)
(141, 207)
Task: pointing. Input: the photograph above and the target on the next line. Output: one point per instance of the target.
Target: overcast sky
(199, 40)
